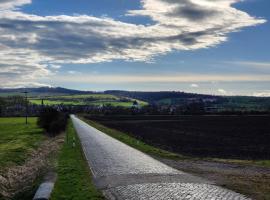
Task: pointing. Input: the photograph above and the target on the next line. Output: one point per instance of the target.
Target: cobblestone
(108, 156)
(123, 172)
(191, 191)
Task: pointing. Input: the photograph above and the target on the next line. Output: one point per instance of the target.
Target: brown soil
(252, 181)
(229, 137)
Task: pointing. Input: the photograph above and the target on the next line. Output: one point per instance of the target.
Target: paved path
(122, 172)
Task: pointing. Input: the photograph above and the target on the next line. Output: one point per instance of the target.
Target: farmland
(86, 99)
(178, 101)
(231, 137)
(18, 140)
(210, 103)
(249, 177)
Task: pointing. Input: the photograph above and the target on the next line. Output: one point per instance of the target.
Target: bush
(53, 121)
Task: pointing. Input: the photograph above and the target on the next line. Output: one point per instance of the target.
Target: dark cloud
(190, 10)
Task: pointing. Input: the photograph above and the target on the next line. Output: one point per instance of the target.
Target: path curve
(123, 172)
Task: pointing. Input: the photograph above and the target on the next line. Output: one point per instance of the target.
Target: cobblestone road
(122, 172)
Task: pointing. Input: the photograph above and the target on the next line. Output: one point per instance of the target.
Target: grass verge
(133, 142)
(74, 178)
(17, 140)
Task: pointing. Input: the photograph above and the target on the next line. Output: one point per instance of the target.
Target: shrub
(53, 121)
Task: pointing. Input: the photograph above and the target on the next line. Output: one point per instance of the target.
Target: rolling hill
(58, 95)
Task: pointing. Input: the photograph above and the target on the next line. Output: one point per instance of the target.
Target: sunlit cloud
(262, 94)
(12, 4)
(30, 44)
(194, 85)
(73, 72)
(252, 64)
(53, 66)
(222, 91)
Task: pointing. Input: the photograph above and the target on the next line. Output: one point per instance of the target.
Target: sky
(201, 46)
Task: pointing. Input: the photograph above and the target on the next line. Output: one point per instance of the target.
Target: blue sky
(184, 45)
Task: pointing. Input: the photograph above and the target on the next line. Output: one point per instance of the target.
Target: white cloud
(262, 94)
(42, 41)
(24, 84)
(193, 85)
(12, 4)
(53, 66)
(222, 91)
(253, 64)
(72, 72)
(18, 66)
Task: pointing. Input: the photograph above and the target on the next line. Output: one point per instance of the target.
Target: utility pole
(26, 107)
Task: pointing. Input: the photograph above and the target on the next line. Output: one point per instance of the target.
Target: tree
(53, 121)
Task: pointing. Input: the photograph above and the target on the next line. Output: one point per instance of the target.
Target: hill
(58, 95)
(209, 102)
(155, 97)
(42, 91)
(213, 103)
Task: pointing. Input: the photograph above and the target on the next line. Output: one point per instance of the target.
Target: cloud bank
(12, 4)
(31, 43)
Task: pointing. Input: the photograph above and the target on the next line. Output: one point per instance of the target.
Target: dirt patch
(252, 181)
(17, 179)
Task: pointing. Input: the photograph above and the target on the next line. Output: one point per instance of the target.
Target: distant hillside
(210, 102)
(155, 97)
(42, 91)
(63, 96)
(162, 98)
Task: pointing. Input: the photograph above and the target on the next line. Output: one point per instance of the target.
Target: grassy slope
(83, 96)
(74, 178)
(17, 140)
(96, 103)
(101, 99)
(54, 102)
(131, 141)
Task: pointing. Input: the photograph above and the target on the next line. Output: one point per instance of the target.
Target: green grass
(94, 96)
(80, 96)
(96, 103)
(74, 178)
(17, 140)
(100, 99)
(133, 142)
(55, 102)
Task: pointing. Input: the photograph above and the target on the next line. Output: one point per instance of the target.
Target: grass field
(74, 177)
(89, 99)
(94, 96)
(55, 102)
(17, 140)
